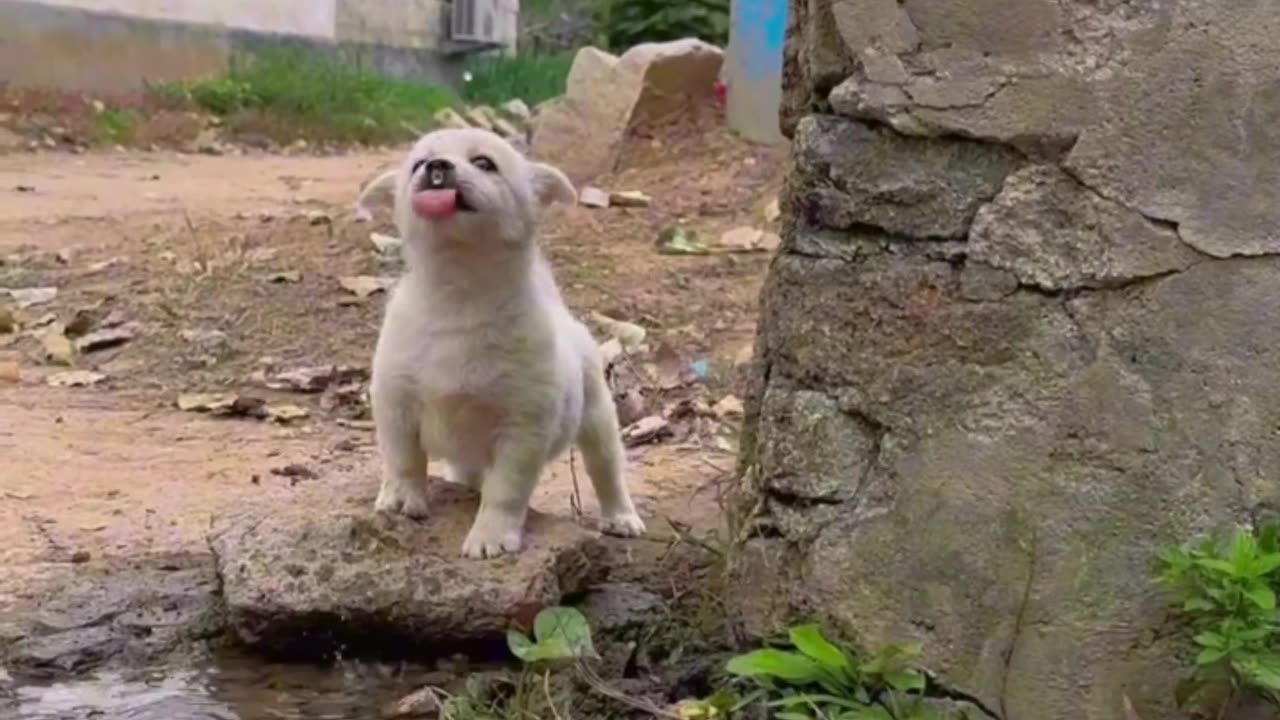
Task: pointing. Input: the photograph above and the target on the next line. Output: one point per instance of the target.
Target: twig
(546, 690)
(590, 678)
(575, 499)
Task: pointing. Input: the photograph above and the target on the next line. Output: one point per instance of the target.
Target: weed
(819, 680)
(559, 634)
(326, 96)
(116, 125)
(630, 22)
(1226, 591)
(531, 78)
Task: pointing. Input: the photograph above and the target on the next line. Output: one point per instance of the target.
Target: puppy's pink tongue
(435, 204)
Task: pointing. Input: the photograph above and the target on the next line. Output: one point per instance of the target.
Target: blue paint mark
(760, 27)
(701, 368)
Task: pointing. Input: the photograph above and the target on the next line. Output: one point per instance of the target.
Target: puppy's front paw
(623, 525)
(491, 537)
(388, 501)
(409, 502)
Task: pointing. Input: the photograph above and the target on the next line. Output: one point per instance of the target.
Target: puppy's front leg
(602, 453)
(404, 462)
(504, 498)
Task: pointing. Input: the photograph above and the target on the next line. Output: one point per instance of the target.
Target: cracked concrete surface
(1020, 333)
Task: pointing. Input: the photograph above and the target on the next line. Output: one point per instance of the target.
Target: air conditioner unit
(474, 21)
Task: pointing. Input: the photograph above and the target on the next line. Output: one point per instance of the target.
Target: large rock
(606, 95)
(115, 613)
(363, 583)
(1018, 336)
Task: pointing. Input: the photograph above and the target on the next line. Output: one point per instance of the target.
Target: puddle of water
(235, 688)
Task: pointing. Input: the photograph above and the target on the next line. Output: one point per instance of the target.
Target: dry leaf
(362, 286)
(772, 211)
(311, 379)
(57, 348)
(646, 430)
(109, 338)
(742, 239)
(207, 402)
(629, 334)
(10, 372)
(593, 197)
(386, 244)
(26, 297)
(610, 351)
(668, 367)
(630, 198)
(286, 413)
(729, 406)
(75, 378)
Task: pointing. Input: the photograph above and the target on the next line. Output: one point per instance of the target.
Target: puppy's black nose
(438, 175)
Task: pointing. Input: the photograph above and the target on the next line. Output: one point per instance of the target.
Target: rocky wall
(1020, 333)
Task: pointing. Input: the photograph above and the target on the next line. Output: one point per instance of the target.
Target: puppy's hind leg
(404, 462)
(602, 453)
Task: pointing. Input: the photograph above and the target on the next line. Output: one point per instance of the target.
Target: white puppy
(479, 362)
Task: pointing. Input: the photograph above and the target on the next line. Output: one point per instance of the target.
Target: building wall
(121, 45)
(309, 18)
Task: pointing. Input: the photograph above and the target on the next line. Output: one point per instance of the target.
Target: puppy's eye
(484, 163)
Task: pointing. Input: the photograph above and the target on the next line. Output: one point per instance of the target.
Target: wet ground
(233, 687)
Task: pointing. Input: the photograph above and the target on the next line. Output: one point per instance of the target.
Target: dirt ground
(177, 246)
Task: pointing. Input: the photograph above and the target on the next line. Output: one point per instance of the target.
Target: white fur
(479, 361)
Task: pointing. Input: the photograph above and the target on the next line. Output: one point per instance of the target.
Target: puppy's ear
(384, 183)
(551, 185)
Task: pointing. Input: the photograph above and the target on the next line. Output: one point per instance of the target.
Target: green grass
(531, 78)
(116, 125)
(322, 96)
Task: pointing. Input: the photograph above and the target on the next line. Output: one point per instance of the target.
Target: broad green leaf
(905, 680)
(811, 699)
(1197, 604)
(1262, 596)
(519, 643)
(1243, 550)
(1253, 634)
(1209, 656)
(562, 633)
(808, 639)
(1221, 566)
(1267, 671)
(792, 667)
(1211, 640)
(1269, 537)
(1264, 564)
(873, 712)
(793, 716)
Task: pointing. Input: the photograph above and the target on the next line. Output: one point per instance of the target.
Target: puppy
(479, 361)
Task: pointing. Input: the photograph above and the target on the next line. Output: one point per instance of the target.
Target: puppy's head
(471, 186)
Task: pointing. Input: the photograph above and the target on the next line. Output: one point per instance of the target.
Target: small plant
(330, 96)
(631, 22)
(822, 681)
(115, 125)
(559, 634)
(1226, 590)
(531, 78)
